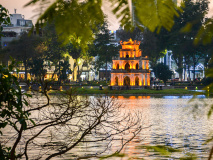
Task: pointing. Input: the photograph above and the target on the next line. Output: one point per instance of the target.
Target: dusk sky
(29, 12)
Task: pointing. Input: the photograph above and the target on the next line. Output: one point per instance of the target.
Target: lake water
(167, 120)
(173, 123)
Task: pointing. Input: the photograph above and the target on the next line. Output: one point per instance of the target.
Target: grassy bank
(131, 92)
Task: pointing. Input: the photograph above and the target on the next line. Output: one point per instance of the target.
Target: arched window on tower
(127, 67)
(137, 66)
(137, 81)
(116, 80)
(117, 66)
(127, 55)
(126, 81)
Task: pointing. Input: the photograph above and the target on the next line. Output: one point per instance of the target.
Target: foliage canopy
(76, 21)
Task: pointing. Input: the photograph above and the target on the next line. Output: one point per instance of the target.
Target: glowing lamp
(60, 88)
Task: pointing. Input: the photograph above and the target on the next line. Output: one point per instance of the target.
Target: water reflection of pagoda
(130, 69)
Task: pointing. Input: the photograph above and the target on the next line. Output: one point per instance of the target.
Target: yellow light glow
(60, 88)
(132, 97)
(91, 87)
(120, 97)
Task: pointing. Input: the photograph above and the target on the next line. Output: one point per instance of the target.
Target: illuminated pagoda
(130, 68)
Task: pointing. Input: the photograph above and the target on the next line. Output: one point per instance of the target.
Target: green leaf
(156, 14)
(32, 122)
(210, 111)
(162, 150)
(186, 28)
(112, 155)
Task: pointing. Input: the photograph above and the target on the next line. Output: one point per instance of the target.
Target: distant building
(14, 30)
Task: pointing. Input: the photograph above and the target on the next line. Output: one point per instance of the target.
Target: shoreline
(168, 92)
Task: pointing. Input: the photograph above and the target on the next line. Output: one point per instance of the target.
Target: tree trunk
(12, 153)
(210, 154)
(106, 71)
(88, 72)
(189, 71)
(78, 76)
(194, 72)
(180, 68)
(59, 80)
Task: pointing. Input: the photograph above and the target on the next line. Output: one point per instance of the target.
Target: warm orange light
(132, 97)
(132, 50)
(127, 47)
(133, 66)
(120, 97)
(148, 83)
(147, 64)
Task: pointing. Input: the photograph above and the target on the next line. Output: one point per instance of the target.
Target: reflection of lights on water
(132, 97)
(171, 97)
(186, 88)
(196, 88)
